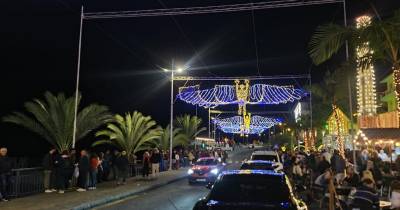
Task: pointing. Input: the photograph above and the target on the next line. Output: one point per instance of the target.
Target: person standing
(146, 165)
(155, 163)
(84, 167)
(94, 164)
(48, 166)
(177, 160)
(5, 173)
(59, 166)
(122, 164)
(106, 164)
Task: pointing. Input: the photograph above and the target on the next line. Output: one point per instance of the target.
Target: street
(178, 195)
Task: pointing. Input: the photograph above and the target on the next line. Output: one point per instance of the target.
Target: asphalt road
(175, 196)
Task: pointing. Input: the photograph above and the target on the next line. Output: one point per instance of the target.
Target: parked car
(205, 170)
(251, 190)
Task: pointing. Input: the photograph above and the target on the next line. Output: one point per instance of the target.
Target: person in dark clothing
(155, 163)
(352, 179)
(49, 173)
(122, 164)
(61, 171)
(113, 165)
(323, 165)
(365, 196)
(106, 165)
(146, 165)
(5, 174)
(84, 167)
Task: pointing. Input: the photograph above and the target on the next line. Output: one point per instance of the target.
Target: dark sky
(39, 41)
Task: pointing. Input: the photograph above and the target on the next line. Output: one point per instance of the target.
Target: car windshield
(250, 188)
(257, 166)
(206, 162)
(264, 157)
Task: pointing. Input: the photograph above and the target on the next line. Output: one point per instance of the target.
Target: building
(332, 130)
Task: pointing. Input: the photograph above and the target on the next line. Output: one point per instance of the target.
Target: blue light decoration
(258, 124)
(226, 94)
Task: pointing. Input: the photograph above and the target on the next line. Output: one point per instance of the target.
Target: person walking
(155, 163)
(5, 173)
(84, 167)
(94, 164)
(122, 165)
(48, 172)
(146, 165)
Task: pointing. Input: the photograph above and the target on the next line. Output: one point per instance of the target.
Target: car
(251, 190)
(261, 165)
(265, 155)
(205, 170)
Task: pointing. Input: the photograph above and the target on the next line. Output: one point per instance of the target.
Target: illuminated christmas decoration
(339, 139)
(366, 92)
(257, 124)
(227, 94)
(309, 137)
(242, 95)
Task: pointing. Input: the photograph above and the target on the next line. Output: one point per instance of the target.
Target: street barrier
(26, 181)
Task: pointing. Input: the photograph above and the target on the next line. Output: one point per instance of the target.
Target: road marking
(116, 202)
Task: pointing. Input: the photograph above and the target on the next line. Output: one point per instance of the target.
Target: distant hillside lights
(366, 91)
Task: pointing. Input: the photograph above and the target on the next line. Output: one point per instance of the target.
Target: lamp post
(172, 71)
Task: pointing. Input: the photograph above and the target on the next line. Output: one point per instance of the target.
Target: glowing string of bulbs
(226, 94)
(258, 124)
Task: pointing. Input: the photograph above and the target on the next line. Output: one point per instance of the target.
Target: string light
(366, 91)
(257, 124)
(227, 94)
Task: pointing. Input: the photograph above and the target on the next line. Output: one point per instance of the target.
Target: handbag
(76, 172)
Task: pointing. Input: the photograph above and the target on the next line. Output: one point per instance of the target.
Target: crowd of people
(354, 185)
(70, 170)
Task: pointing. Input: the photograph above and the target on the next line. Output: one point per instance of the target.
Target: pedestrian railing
(26, 181)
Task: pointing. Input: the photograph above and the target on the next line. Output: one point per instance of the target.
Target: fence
(27, 181)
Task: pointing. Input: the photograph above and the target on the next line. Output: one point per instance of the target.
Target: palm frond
(327, 40)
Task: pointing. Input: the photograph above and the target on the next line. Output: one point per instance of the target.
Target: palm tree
(179, 138)
(190, 126)
(382, 37)
(53, 119)
(132, 133)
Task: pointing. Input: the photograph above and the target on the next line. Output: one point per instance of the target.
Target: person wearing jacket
(365, 196)
(155, 163)
(94, 164)
(49, 173)
(5, 173)
(61, 171)
(122, 164)
(84, 167)
(146, 165)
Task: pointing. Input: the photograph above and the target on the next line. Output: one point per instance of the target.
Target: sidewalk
(106, 192)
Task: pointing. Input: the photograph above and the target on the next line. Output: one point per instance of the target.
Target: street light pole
(77, 80)
(171, 134)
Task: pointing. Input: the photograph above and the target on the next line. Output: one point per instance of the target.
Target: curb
(113, 198)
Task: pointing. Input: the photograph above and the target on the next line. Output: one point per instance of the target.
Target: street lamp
(172, 71)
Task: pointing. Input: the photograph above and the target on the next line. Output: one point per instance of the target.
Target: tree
(190, 126)
(53, 119)
(179, 139)
(382, 37)
(132, 133)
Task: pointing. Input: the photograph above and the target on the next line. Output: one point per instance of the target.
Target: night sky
(121, 57)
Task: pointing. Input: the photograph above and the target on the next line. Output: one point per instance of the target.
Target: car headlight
(215, 171)
(190, 171)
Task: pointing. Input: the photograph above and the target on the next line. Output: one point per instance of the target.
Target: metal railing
(26, 181)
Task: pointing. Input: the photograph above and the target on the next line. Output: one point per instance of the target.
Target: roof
(381, 133)
(260, 161)
(264, 153)
(260, 172)
(207, 158)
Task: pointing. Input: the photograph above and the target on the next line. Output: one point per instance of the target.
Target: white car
(266, 155)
